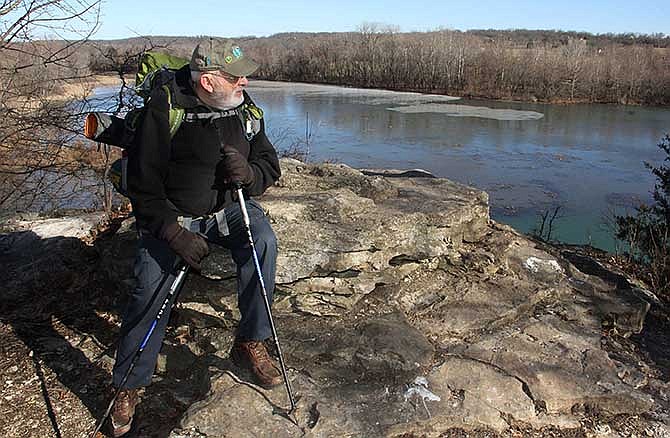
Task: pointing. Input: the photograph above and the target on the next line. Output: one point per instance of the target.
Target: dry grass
(81, 88)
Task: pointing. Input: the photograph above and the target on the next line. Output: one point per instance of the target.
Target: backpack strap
(176, 115)
(249, 114)
(193, 116)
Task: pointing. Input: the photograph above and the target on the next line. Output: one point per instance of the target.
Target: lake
(530, 158)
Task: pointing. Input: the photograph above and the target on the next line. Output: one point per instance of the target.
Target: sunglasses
(228, 77)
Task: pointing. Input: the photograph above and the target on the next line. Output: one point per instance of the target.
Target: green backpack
(156, 69)
(152, 72)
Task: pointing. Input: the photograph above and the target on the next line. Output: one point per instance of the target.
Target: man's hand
(236, 168)
(189, 246)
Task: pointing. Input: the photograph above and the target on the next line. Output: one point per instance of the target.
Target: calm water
(588, 159)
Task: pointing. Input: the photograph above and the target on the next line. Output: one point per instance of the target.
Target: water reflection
(578, 156)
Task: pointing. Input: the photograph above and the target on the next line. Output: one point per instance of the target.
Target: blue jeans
(155, 269)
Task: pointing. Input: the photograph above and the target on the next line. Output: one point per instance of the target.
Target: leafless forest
(519, 65)
(547, 66)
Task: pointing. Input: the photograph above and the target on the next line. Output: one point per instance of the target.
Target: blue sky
(125, 18)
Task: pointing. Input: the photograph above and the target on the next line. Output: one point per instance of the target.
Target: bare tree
(545, 228)
(574, 53)
(40, 159)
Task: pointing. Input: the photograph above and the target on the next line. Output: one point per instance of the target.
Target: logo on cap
(237, 52)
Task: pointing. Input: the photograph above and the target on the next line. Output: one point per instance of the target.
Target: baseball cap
(225, 55)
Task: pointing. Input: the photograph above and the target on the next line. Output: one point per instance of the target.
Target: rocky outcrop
(402, 311)
(383, 280)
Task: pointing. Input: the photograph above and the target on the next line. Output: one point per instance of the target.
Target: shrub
(647, 232)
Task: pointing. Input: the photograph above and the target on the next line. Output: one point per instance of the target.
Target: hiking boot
(123, 411)
(253, 356)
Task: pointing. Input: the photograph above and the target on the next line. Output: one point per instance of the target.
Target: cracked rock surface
(402, 310)
(383, 279)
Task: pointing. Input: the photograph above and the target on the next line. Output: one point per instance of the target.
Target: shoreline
(467, 96)
(83, 88)
(86, 86)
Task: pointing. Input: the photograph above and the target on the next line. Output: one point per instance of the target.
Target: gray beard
(225, 102)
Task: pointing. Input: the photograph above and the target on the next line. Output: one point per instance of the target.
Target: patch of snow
(422, 381)
(419, 388)
(360, 95)
(535, 264)
(482, 112)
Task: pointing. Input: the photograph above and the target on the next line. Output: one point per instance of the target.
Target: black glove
(236, 168)
(189, 246)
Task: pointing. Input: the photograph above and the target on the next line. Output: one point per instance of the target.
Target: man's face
(227, 89)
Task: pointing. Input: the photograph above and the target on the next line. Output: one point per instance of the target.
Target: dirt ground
(59, 324)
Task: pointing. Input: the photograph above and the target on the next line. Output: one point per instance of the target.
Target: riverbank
(525, 98)
(84, 87)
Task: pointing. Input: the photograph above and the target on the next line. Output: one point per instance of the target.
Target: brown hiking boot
(123, 411)
(253, 356)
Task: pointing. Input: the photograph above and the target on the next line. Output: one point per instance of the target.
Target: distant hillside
(534, 65)
(557, 37)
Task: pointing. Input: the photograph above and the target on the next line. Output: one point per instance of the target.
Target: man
(181, 188)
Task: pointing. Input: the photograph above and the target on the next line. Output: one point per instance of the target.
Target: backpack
(156, 69)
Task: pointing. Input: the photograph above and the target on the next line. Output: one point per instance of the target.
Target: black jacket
(182, 176)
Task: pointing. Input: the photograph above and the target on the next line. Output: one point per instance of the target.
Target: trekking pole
(245, 215)
(183, 270)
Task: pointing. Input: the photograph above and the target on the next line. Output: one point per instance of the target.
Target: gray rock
(389, 347)
(331, 219)
(234, 409)
(486, 394)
